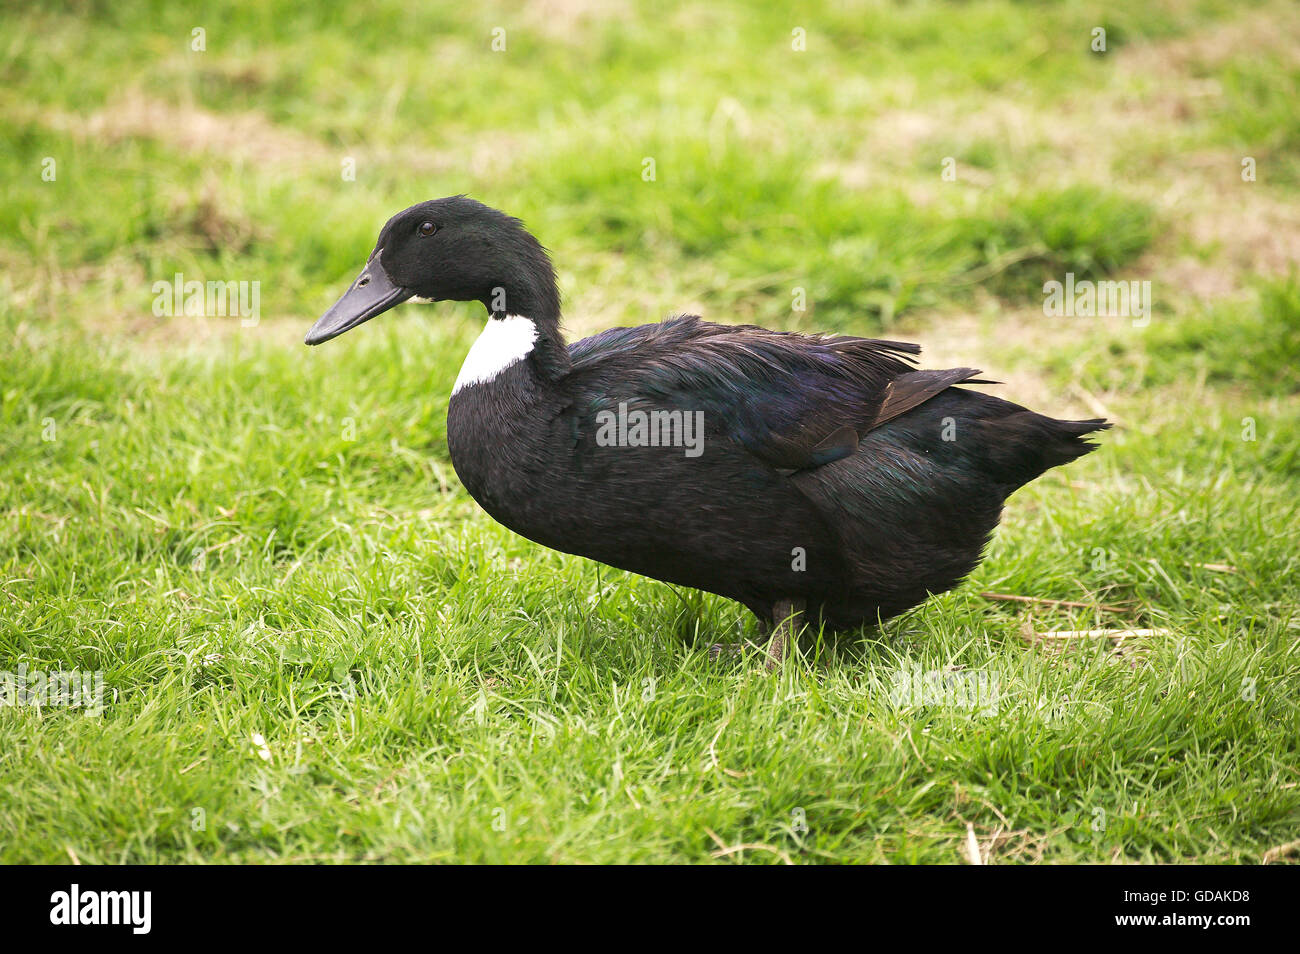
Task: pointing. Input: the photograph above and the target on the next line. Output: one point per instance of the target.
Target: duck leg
(787, 619)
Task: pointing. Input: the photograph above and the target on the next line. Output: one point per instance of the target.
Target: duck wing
(794, 401)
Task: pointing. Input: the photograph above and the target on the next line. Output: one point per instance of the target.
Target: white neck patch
(503, 342)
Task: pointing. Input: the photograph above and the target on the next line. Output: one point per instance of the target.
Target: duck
(820, 480)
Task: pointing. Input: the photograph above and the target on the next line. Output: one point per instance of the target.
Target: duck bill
(373, 293)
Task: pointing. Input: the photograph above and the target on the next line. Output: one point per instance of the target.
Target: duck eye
(427, 228)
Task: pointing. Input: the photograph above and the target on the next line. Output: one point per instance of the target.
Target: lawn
(314, 646)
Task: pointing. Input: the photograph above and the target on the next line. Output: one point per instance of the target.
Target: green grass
(252, 539)
(1251, 344)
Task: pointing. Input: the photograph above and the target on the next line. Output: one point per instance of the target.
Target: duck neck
(531, 340)
(549, 354)
(536, 300)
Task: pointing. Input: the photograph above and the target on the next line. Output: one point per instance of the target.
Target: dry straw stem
(1044, 601)
(1281, 851)
(1120, 640)
(725, 850)
(1101, 634)
(972, 846)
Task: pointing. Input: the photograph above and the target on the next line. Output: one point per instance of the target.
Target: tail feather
(1069, 444)
(1034, 443)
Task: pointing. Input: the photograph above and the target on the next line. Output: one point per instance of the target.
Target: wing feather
(794, 401)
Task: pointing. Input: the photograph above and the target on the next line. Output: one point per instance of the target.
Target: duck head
(453, 249)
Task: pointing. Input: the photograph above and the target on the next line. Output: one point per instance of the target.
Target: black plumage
(833, 476)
